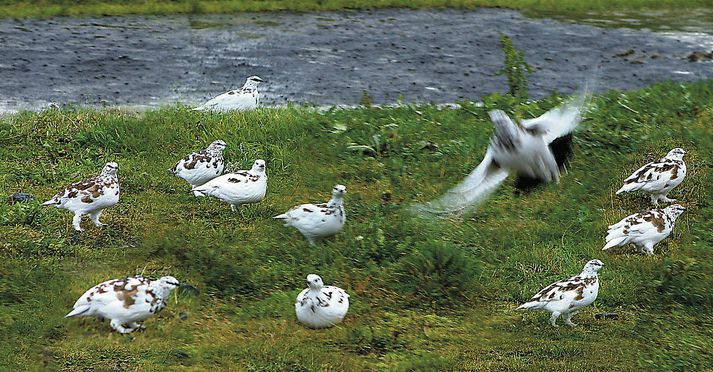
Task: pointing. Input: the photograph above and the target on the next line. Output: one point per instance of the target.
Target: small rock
(183, 316)
(187, 289)
(181, 354)
(698, 56)
(612, 316)
(21, 197)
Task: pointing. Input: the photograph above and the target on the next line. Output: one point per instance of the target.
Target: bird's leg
(553, 318)
(77, 220)
(654, 199)
(568, 319)
(665, 199)
(649, 249)
(120, 327)
(233, 208)
(136, 326)
(95, 218)
(311, 241)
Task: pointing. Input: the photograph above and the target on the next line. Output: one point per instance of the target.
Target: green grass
(50, 8)
(425, 295)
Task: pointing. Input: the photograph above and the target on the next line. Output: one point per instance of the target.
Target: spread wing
(559, 121)
(480, 183)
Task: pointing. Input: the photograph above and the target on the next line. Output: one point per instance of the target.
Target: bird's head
(314, 281)
(674, 210)
(252, 82)
(258, 166)
(676, 153)
(168, 282)
(217, 146)
(339, 190)
(593, 266)
(110, 169)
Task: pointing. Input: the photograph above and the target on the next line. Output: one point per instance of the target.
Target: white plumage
(567, 296)
(659, 177)
(321, 306)
(644, 229)
(126, 302)
(200, 167)
(523, 148)
(236, 189)
(90, 196)
(316, 221)
(245, 98)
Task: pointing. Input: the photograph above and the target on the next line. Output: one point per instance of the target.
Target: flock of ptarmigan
(523, 147)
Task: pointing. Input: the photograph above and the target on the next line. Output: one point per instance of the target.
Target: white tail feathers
(77, 311)
(530, 305)
(50, 202)
(281, 217)
(615, 242)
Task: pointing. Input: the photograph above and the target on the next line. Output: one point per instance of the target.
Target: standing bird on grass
(321, 306)
(245, 98)
(317, 221)
(524, 148)
(644, 229)
(200, 167)
(238, 188)
(90, 196)
(658, 177)
(567, 296)
(125, 301)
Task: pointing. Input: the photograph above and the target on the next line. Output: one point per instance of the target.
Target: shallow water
(331, 58)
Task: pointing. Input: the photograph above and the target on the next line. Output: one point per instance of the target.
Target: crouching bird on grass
(126, 302)
(238, 188)
(644, 229)
(245, 98)
(200, 167)
(320, 306)
(90, 196)
(567, 296)
(317, 221)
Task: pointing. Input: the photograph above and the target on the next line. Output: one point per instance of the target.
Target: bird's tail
(197, 191)
(615, 242)
(283, 216)
(52, 201)
(77, 311)
(530, 305)
(627, 188)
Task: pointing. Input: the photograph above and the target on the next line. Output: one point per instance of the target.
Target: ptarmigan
(523, 148)
(90, 196)
(644, 229)
(658, 177)
(245, 98)
(567, 296)
(316, 221)
(236, 189)
(200, 167)
(125, 301)
(321, 306)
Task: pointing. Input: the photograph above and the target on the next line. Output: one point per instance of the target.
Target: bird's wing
(559, 290)
(559, 121)
(482, 181)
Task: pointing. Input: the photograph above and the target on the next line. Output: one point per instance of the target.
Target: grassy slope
(424, 294)
(49, 8)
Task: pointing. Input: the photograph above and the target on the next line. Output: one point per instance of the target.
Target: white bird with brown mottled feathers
(320, 306)
(644, 229)
(200, 167)
(90, 196)
(567, 296)
(658, 177)
(317, 221)
(238, 188)
(127, 301)
(245, 98)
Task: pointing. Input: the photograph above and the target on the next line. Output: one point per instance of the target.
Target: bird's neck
(335, 202)
(588, 274)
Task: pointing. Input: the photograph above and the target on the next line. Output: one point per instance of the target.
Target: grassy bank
(50, 8)
(425, 294)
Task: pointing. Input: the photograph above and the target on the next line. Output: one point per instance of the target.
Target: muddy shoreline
(323, 58)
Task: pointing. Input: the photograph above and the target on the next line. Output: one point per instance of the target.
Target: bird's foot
(121, 328)
(666, 200)
(570, 323)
